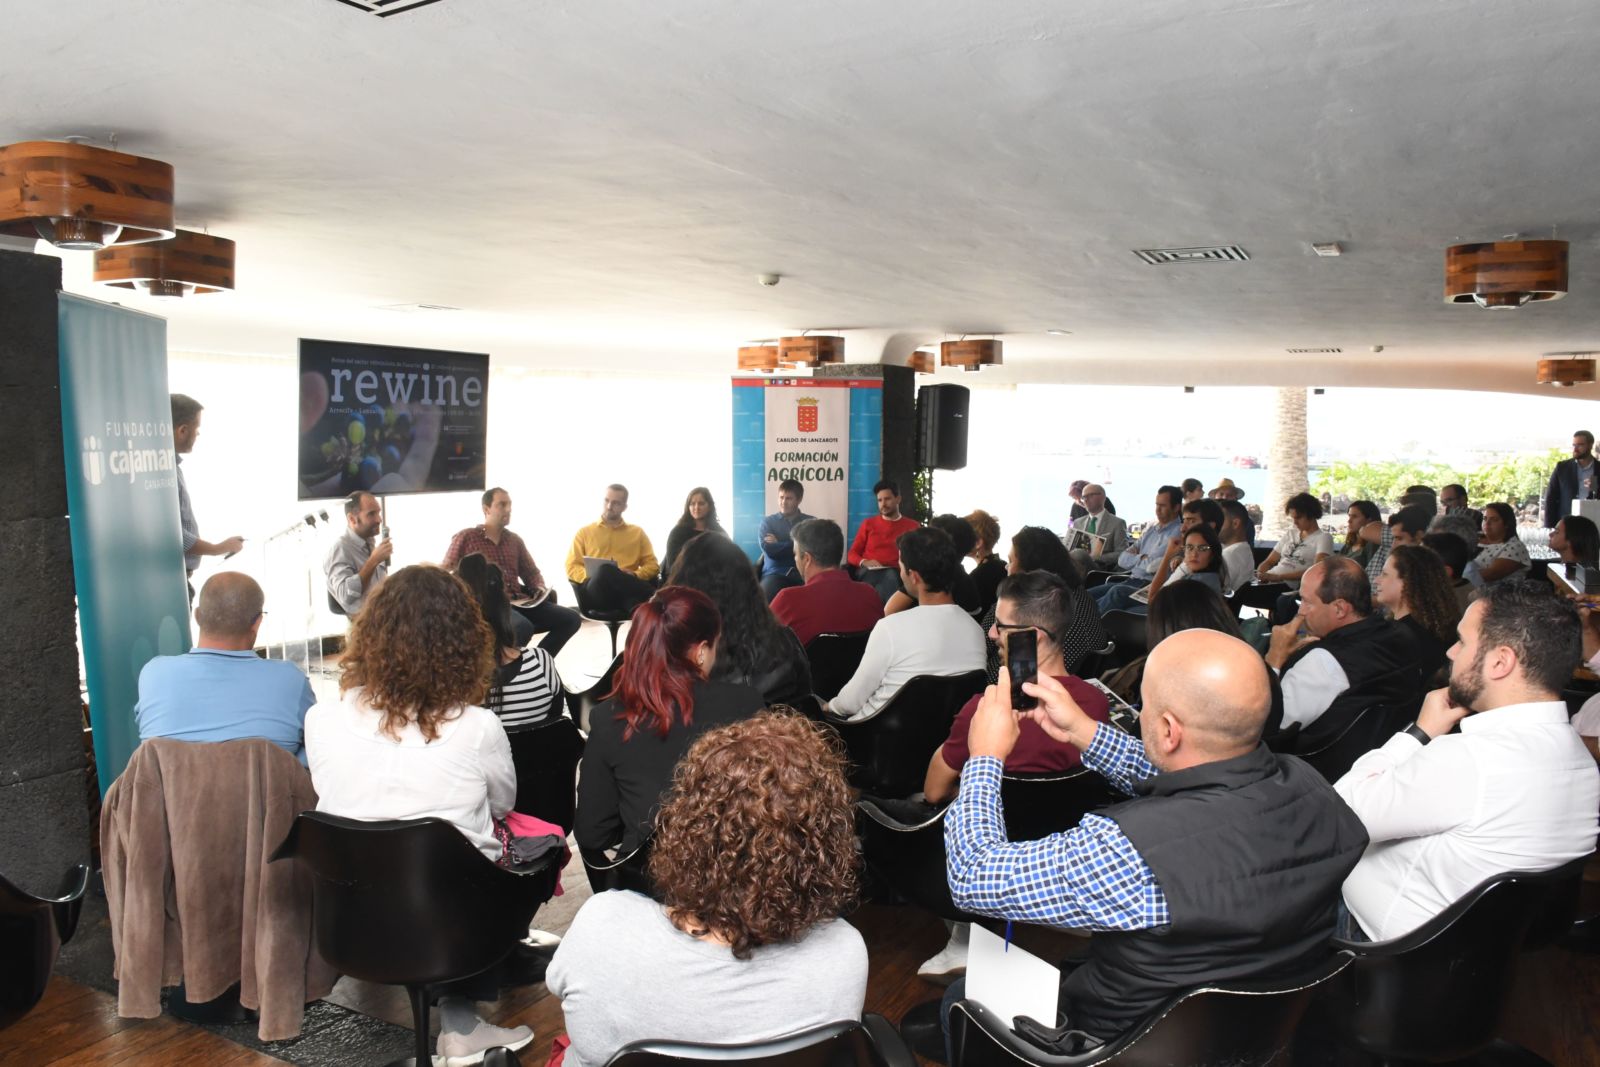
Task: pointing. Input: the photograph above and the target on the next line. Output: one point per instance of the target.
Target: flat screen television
(391, 420)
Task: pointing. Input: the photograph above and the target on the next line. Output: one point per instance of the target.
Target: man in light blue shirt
(220, 690)
(1141, 558)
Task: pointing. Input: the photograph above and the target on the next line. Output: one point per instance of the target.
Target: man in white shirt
(1514, 791)
(935, 637)
(1097, 521)
(1238, 559)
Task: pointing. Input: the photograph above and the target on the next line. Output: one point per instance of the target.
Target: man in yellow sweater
(632, 581)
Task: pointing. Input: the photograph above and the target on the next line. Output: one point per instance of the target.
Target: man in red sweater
(875, 553)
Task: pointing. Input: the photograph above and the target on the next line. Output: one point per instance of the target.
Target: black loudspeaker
(942, 426)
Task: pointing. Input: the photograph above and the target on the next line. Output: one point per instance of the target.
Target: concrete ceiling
(598, 184)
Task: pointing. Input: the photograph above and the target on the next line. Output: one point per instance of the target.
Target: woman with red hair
(662, 702)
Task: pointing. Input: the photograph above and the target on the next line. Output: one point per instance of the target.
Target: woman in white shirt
(407, 740)
(1501, 553)
(1304, 546)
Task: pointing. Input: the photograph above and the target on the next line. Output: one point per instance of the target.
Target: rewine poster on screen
(391, 420)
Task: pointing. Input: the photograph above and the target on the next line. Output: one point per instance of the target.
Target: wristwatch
(1419, 733)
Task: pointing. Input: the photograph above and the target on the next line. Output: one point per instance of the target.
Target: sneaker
(949, 964)
(464, 1050)
(538, 938)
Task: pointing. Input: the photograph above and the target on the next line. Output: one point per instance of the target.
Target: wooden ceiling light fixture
(759, 357)
(188, 263)
(1505, 274)
(1565, 371)
(970, 355)
(809, 351)
(922, 362)
(80, 197)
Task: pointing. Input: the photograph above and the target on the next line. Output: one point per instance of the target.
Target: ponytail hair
(655, 683)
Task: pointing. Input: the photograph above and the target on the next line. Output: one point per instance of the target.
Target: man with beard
(1515, 790)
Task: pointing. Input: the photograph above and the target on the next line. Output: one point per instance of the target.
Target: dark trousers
(773, 584)
(557, 623)
(615, 589)
(884, 580)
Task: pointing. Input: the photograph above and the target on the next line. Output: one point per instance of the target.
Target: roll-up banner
(122, 495)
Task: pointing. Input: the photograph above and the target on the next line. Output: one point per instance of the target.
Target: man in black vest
(1226, 864)
(1336, 658)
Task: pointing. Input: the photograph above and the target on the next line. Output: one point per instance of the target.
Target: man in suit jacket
(1099, 521)
(1573, 479)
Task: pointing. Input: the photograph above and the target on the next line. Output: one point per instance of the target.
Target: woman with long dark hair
(1575, 539)
(756, 649)
(663, 700)
(1501, 553)
(699, 515)
(1415, 588)
(1034, 548)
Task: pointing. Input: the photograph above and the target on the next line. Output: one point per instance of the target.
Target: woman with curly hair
(1415, 588)
(699, 515)
(663, 700)
(753, 859)
(990, 569)
(1035, 548)
(756, 649)
(407, 739)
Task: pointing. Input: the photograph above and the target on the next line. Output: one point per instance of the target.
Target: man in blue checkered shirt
(1226, 864)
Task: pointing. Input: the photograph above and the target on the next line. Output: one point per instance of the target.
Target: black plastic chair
(834, 658)
(546, 759)
(1095, 579)
(1370, 728)
(871, 1041)
(620, 871)
(613, 618)
(1097, 661)
(581, 705)
(412, 902)
(1128, 633)
(32, 931)
(1263, 596)
(889, 752)
(1241, 1024)
(902, 842)
(1439, 993)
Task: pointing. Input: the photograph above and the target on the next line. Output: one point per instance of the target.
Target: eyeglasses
(1197, 548)
(1004, 626)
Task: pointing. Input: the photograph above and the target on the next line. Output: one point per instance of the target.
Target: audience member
(1572, 479)
(756, 649)
(220, 690)
(1501, 553)
(1076, 491)
(525, 690)
(1405, 527)
(1141, 559)
(990, 569)
(777, 551)
(185, 428)
(522, 582)
(1415, 589)
(1193, 489)
(1034, 548)
(1453, 498)
(1336, 657)
(1515, 790)
(632, 578)
(1226, 864)
(964, 590)
(1185, 606)
(1305, 544)
(1575, 539)
(1355, 546)
(1225, 490)
(737, 950)
(874, 553)
(1098, 521)
(355, 565)
(1468, 531)
(407, 740)
(699, 515)
(937, 637)
(829, 602)
(1196, 554)
(663, 701)
(1238, 556)
(1456, 557)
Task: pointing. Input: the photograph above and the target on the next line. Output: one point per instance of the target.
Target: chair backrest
(547, 770)
(32, 931)
(1038, 805)
(834, 658)
(849, 1043)
(1348, 726)
(1127, 631)
(1241, 1024)
(580, 705)
(336, 607)
(411, 901)
(1371, 727)
(889, 752)
(1439, 992)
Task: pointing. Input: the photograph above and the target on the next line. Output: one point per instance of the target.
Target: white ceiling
(598, 184)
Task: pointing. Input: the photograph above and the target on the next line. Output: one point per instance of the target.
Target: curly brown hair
(421, 649)
(755, 842)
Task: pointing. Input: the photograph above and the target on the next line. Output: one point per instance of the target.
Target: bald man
(220, 690)
(1226, 864)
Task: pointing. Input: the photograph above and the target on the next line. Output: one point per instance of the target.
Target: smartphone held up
(1022, 665)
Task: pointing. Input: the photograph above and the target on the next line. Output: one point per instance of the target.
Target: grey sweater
(625, 973)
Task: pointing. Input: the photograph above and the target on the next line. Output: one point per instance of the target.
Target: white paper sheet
(1010, 983)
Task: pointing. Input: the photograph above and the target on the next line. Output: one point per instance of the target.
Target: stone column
(44, 825)
(1286, 462)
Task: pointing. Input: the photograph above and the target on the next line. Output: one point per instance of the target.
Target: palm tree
(1286, 474)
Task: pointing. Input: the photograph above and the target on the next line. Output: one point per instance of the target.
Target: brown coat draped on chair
(185, 835)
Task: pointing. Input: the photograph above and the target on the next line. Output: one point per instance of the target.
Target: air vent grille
(1209, 254)
(1313, 351)
(384, 8)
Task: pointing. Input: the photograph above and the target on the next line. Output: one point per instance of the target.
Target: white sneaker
(538, 938)
(949, 964)
(464, 1050)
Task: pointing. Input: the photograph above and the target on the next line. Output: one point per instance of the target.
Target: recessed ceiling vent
(1210, 254)
(1313, 351)
(384, 8)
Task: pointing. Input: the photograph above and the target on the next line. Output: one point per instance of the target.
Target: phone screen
(1022, 663)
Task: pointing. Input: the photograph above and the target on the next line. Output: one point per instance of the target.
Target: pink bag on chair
(516, 824)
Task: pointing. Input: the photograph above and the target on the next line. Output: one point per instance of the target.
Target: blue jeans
(1119, 597)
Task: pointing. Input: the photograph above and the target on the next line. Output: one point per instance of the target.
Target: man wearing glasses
(220, 690)
(1096, 521)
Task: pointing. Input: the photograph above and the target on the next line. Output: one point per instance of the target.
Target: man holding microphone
(355, 565)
